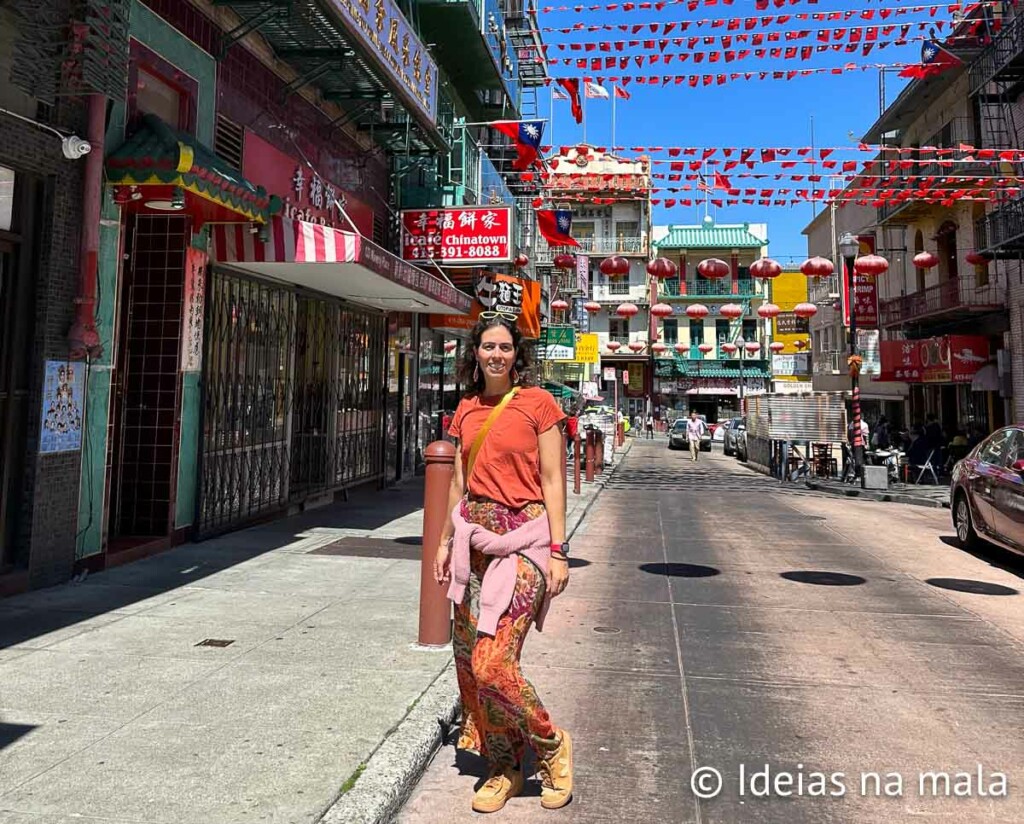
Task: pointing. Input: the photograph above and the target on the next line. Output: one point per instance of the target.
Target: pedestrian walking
(650, 426)
(695, 429)
(504, 552)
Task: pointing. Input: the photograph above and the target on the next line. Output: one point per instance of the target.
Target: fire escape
(996, 84)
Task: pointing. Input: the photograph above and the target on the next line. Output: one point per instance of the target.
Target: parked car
(732, 427)
(987, 492)
(741, 445)
(677, 436)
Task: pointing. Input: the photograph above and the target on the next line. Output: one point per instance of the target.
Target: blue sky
(741, 113)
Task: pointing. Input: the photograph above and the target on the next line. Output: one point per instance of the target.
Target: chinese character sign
(458, 236)
(192, 320)
(865, 302)
(583, 274)
(62, 403)
(395, 49)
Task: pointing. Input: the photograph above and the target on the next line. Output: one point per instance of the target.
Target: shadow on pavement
(823, 579)
(30, 615)
(973, 587)
(9, 733)
(681, 570)
(991, 554)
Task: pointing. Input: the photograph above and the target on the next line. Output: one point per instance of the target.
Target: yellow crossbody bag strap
(479, 440)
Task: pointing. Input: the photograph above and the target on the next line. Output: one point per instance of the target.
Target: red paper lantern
(768, 310)
(559, 305)
(776, 346)
(564, 261)
(801, 344)
(636, 346)
(817, 267)
(923, 260)
(613, 346)
(661, 268)
(680, 348)
(661, 310)
(705, 348)
(765, 268)
(873, 265)
(752, 347)
(697, 311)
(615, 266)
(521, 261)
(626, 310)
(729, 348)
(592, 306)
(658, 348)
(977, 258)
(731, 311)
(805, 310)
(713, 268)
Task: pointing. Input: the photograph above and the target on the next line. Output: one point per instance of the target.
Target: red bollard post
(576, 464)
(590, 456)
(435, 608)
(599, 451)
(620, 430)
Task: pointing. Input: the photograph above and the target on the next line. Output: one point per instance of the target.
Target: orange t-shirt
(508, 464)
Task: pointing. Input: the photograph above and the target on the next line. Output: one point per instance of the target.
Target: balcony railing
(1002, 229)
(829, 363)
(955, 296)
(613, 245)
(710, 288)
(821, 290)
(1005, 50)
(615, 290)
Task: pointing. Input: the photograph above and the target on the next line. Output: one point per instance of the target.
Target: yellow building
(791, 365)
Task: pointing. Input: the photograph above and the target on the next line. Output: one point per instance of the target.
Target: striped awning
(338, 263)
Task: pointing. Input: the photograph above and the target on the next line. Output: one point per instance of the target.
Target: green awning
(157, 155)
(678, 366)
(710, 236)
(560, 391)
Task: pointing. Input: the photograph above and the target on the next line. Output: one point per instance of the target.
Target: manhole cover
(607, 630)
(216, 642)
(362, 547)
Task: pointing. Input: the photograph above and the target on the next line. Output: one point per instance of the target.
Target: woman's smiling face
(496, 353)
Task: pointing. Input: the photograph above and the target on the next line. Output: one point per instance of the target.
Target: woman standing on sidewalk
(504, 551)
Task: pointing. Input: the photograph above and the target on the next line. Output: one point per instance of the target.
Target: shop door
(16, 315)
(146, 397)
(248, 368)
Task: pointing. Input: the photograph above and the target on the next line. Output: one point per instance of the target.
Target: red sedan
(987, 491)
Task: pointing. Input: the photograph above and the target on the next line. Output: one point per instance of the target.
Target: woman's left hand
(558, 575)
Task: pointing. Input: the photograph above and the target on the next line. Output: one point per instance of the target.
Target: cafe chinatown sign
(458, 236)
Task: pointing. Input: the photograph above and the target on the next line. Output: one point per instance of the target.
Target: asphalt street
(831, 660)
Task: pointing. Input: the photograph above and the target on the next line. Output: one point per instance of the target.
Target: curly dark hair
(468, 364)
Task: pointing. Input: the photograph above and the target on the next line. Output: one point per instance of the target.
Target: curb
(393, 769)
(886, 497)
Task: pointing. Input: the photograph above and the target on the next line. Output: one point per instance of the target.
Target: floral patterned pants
(501, 713)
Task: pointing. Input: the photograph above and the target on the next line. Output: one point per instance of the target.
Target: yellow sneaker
(556, 775)
(502, 784)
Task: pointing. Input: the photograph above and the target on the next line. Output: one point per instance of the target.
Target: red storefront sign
(949, 359)
(865, 291)
(305, 195)
(459, 235)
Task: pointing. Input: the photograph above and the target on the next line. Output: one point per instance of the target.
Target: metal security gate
(249, 341)
(293, 399)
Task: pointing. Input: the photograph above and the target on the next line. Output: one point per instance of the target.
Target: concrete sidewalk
(248, 678)
(913, 494)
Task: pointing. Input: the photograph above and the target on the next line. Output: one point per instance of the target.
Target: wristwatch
(560, 549)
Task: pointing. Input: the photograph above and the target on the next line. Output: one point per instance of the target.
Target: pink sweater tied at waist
(532, 540)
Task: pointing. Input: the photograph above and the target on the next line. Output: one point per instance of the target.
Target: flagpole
(613, 95)
(583, 109)
(551, 106)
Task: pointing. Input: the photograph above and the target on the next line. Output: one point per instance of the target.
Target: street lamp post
(849, 246)
(741, 351)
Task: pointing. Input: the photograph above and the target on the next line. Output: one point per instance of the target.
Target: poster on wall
(62, 404)
(195, 301)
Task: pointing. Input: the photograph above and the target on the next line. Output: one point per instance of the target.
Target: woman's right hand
(442, 560)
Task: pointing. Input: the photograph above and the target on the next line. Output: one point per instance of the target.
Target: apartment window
(670, 330)
(627, 230)
(582, 230)
(750, 330)
(721, 330)
(618, 329)
(696, 332)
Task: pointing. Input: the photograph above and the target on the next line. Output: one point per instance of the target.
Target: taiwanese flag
(572, 86)
(527, 135)
(555, 225)
(934, 60)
